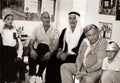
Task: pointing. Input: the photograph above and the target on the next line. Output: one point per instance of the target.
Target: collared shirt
(88, 49)
(41, 36)
(114, 65)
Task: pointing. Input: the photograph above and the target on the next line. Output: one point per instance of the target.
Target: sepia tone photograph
(59, 41)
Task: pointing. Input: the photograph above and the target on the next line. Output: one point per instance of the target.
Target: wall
(92, 16)
(80, 6)
(63, 7)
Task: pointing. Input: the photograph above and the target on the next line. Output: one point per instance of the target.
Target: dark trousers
(41, 50)
(21, 70)
(53, 68)
(8, 64)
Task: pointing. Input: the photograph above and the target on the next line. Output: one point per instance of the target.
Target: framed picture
(105, 29)
(27, 9)
(107, 7)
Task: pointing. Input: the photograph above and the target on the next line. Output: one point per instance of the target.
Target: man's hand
(47, 55)
(81, 74)
(60, 51)
(33, 54)
(63, 56)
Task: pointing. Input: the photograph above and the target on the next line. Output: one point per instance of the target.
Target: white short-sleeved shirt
(7, 37)
(113, 66)
(41, 36)
(8, 40)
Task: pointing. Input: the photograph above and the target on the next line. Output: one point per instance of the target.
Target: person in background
(12, 48)
(111, 64)
(42, 44)
(87, 68)
(69, 42)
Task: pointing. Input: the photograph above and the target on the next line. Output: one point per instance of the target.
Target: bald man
(42, 45)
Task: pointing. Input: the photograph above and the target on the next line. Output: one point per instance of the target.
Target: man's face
(92, 35)
(45, 19)
(9, 20)
(72, 20)
(111, 54)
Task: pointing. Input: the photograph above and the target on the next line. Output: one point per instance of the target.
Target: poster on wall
(105, 29)
(107, 7)
(30, 6)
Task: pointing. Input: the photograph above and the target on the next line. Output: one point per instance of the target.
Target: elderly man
(42, 44)
(89, 60)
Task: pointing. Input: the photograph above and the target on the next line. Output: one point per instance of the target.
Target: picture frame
(105, 29)
(107, 7)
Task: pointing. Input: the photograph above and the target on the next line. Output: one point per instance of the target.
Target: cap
(112, 46)
(73, 12)
(6, 12)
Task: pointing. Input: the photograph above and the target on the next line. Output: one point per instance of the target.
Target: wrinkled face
(9, 20)
(92, 35)
(111, 54)
(45, 19)
(72, 20)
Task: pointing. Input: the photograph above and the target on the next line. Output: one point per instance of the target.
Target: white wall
(80, 6)
(92, 16)
(63, 7)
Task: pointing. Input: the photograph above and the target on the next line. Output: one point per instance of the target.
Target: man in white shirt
(111, 64)
(42, 44)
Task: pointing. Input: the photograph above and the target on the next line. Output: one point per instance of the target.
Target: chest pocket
(91, 59)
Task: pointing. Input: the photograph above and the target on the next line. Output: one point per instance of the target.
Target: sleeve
(20, 49)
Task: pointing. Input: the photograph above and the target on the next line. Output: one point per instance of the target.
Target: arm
(101, 54)
(20, 49)
(79, 60)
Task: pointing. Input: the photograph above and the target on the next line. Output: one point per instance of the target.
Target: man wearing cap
(87, 68)
(111, 64)
(69, 42)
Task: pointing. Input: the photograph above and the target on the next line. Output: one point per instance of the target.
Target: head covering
(112, 46)
(73, 12)
(72, 38)
(6, 12)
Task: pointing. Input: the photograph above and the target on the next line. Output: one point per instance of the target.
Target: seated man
(111, 64)
(45, 37)
(89, 60)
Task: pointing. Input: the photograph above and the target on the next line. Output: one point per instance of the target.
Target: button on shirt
(114, 65)
(41, 36)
